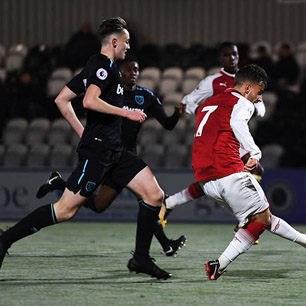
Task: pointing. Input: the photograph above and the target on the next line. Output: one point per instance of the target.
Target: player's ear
(247, 88)
(114, 42)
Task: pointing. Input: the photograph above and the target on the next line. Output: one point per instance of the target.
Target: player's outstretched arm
(168, 122)
(92, 101)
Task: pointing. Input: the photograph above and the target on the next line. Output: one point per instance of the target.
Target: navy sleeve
(77, 84)
(99, 73)
(157, 111)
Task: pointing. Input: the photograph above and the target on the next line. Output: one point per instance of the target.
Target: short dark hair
(224, 45)
(127, 59)
(253, 73)
(110, 26)
(130, 58)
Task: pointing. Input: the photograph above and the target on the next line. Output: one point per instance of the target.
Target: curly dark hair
(252, 73)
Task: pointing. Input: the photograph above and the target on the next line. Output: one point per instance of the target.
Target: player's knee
(156, 198)
(64, 213)
(71, 213)
(263, 217)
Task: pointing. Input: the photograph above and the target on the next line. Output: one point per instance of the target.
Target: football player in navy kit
(101, 156)
(134, 98)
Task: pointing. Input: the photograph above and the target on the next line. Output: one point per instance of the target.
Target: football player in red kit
(221, 129)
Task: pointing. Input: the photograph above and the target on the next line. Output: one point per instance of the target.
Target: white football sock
(241, 242)
(179, 198)
(283, 229)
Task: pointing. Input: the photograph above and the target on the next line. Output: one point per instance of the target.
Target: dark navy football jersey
(144, 100)
(140, 99)
(101, 130)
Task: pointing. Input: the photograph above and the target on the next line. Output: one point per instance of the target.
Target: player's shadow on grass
(64, 256)
(120, 278)
(258, 275)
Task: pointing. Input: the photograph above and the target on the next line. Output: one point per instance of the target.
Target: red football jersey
(222, 81)
(210, 86)
(221, 128)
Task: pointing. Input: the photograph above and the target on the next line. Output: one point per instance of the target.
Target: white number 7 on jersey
(209, 109)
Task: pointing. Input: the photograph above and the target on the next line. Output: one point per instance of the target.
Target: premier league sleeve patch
(139, 100)
(101, 74)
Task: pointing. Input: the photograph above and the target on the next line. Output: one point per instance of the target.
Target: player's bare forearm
(138, 116)
(93, 101)
(63, 102)
(250, 165)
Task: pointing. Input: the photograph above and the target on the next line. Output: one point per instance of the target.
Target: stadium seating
(175, 156)
(58, 79)
(61, 156)
(15, 57)
(170, 78)
(149, 135)
(152, 154)
(172, 98)
(15, 131)
(270, 100)
(213, 70)
(195, 72)
(152, 73)
(271, 155)
(60, 132)
(38, 155)
(37, 131)
(189, 84)
(147, 83)
(15, 155)
(168, 85)
(170, 138)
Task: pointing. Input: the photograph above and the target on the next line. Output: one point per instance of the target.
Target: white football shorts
(239, 193)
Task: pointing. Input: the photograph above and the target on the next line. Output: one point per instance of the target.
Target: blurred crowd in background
(31, 77)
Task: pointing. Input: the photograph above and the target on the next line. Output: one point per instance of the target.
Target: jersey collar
(232, 90)
(226, 73)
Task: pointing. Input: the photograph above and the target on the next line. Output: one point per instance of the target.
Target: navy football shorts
(114, 169)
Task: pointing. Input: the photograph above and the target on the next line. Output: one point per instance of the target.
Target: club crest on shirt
(139, 100)
(101, 74)
(90, 186)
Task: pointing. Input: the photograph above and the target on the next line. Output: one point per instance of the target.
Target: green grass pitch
(85, 264)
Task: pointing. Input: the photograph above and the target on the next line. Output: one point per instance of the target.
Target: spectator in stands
(265, 61)
(244, 54)
(81, 46)
(287, 69)
(23, 96)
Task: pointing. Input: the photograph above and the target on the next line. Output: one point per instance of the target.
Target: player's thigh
(68, 205)
(243, 195)
(145, 186)
(105, 197)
